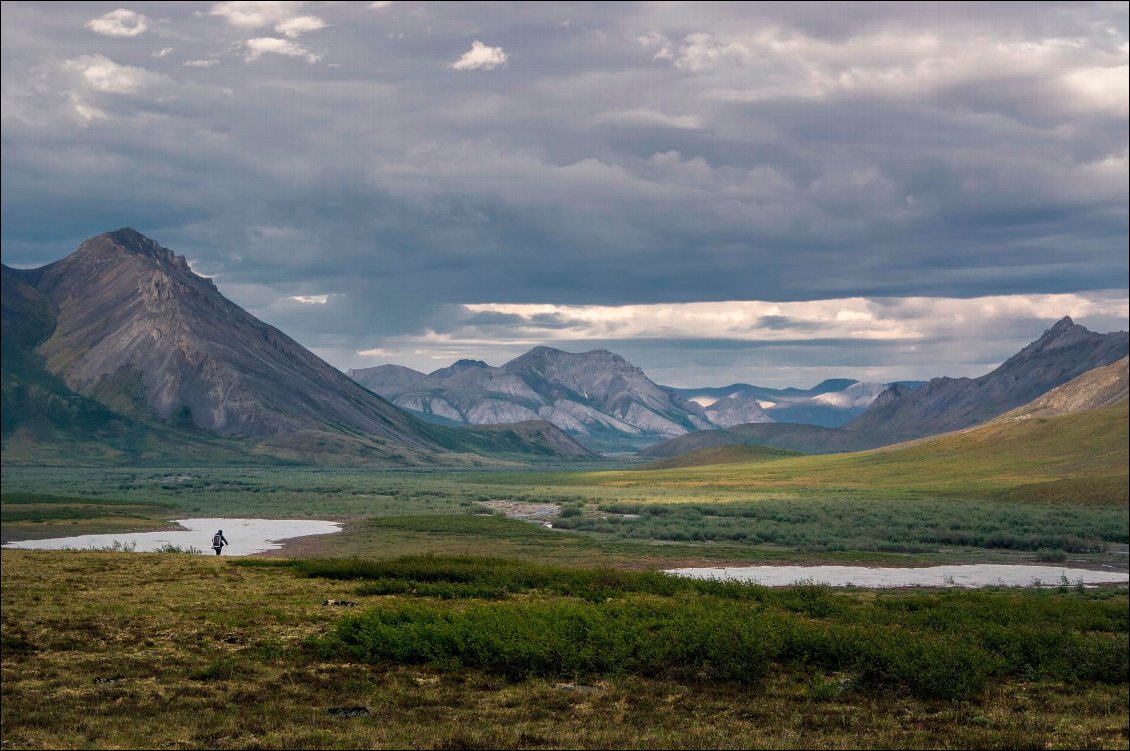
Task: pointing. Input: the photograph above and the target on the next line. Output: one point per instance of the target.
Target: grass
(1085, 452)
(177, 651)
(738, 454)
(674, 516)
(32, 516)
(910, 526)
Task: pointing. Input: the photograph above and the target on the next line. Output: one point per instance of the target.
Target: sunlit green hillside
(1080, 457)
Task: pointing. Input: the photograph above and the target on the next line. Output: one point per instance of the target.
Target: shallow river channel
(244, 536)
(972, 575)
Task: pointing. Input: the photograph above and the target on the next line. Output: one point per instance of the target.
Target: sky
(762, 193)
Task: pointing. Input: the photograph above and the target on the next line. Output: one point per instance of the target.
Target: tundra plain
(474, 625)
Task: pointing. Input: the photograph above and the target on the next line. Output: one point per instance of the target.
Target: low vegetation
(909, 526)
(192, 651)
(31, 516)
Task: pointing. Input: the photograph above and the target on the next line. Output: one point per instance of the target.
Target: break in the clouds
(368, 176)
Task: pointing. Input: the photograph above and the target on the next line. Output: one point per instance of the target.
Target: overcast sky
(773, 194)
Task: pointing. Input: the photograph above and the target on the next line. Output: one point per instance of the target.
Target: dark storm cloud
(622, 153)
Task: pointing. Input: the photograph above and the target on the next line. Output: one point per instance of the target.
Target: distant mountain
(1078, 457)
(124, 333)
(807, 439)
(1063, 352)
(1105, 386)
(598, 397)
(830, 403)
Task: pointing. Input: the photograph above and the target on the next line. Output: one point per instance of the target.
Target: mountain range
(119, 352)
(121, 336)
(1063, 352)
(830, 403)
(603, 400)
(1067, 446)
(901, 413)
(598, 397)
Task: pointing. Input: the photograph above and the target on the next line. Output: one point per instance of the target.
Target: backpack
(216, 541)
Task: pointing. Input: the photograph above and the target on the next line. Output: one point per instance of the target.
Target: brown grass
(118, 650)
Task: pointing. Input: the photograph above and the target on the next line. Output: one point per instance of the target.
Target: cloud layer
(408, 162)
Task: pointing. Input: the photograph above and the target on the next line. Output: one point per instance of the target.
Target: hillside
(1101, 387)
(109, 349)
(721, 455)
(1079, 457)
(806, 439)
(1063, 352)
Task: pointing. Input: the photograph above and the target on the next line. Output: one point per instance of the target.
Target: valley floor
(111, 650)
(167, 650)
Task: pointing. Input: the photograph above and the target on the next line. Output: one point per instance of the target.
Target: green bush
(685, 638)
(943, 645)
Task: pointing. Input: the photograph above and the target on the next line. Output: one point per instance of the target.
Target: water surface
(245, 536)
(972, 575)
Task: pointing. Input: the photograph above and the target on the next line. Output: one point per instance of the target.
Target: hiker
(219, 541)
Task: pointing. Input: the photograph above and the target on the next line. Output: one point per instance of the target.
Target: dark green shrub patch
(452, 577)
(690, 638)
(894, 526)
(944, 645)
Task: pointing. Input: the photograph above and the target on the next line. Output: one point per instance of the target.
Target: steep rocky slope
(1105, 386)
(597, 396)
(125, 324)
(1063, 352)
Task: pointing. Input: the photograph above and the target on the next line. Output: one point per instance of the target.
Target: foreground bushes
(697, 638)
(569, 623)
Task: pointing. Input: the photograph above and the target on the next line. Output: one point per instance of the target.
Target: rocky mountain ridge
(127, 325)
(1061, 353)
(598, 396)
(1061, 350)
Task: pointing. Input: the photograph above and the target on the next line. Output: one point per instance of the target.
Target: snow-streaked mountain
(598, 397)
(830, 403)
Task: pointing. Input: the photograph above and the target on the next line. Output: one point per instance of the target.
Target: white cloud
(200, 63)
(311, 299)
(648, 118)
(702, 52)
(119, 23)
(260, 46)
(1101, 89)
(104, 75)
(163, 52)
(481, 57)
(653, 40)
(293, 27)
(859, 318)
(380, 4)
(254, 15)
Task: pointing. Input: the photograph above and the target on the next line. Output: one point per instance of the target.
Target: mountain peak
(457, 367)
(1062, 323)
(1064, 333)
(125, 239)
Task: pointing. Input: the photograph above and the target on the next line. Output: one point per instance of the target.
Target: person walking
(219, 541)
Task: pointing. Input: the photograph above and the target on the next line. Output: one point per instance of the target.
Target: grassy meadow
(448, 615)
(112, 650)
